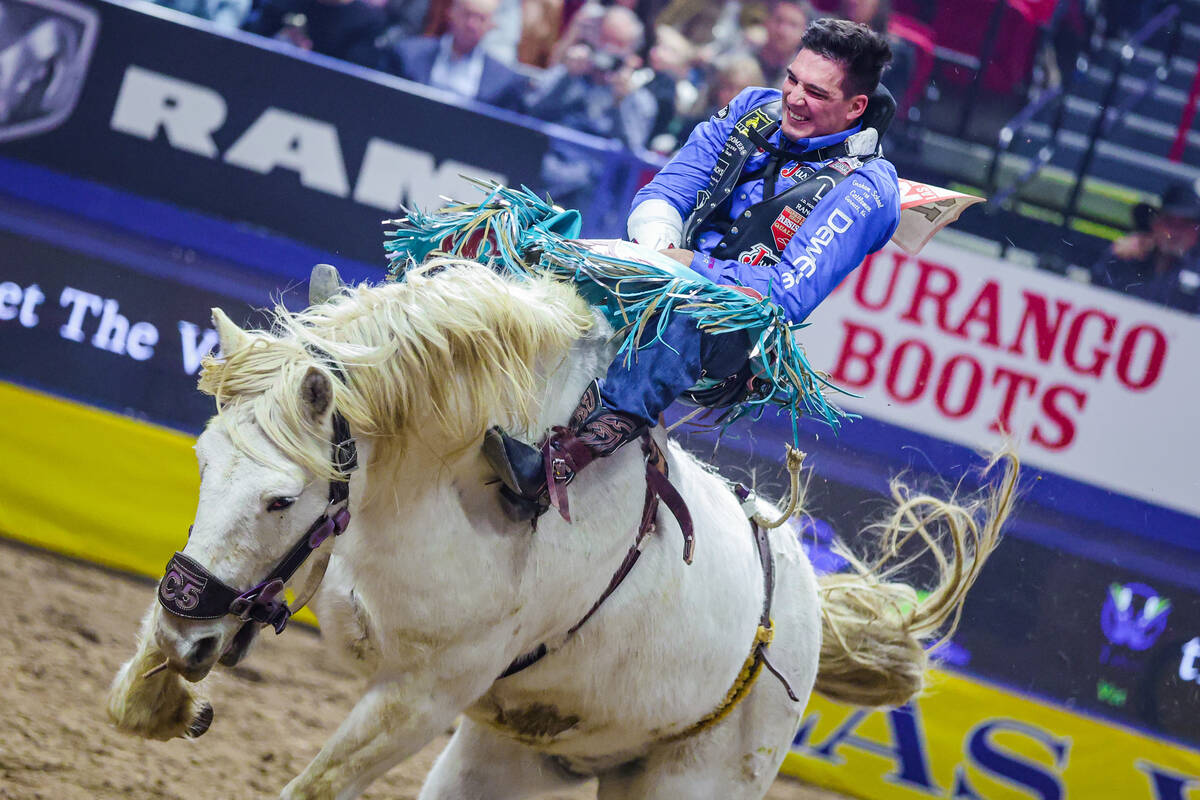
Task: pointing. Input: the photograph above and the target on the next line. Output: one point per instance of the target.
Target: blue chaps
(659, 372)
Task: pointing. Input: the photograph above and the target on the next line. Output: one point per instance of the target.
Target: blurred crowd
(646, 72)
(1159, 260)
(642, 71)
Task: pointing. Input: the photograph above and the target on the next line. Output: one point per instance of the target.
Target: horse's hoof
(323, 283)
(200, 722)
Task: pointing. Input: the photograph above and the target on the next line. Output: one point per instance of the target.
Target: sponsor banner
(965, 739)
(1099, 638)
(88, 327)
(964, 348)
(240, 128)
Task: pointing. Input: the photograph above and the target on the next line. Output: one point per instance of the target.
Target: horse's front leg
(393, 720)
(149, 701)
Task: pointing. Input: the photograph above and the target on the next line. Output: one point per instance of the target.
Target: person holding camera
(1160, 260)
(591, 88)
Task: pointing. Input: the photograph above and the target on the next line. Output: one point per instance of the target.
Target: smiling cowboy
(783, 193)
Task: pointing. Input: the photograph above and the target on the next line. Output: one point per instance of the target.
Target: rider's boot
(534, 478)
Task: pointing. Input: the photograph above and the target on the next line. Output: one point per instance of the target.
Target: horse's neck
(437, 513)
(567, 376)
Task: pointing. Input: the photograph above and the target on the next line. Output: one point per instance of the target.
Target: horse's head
(417, 370)
(258, 498)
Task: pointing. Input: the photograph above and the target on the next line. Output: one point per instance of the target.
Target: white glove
(656, 224)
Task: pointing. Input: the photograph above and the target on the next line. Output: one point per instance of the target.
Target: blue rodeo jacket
(805, 251)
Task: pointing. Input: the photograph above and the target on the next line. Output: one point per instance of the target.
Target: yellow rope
(741, 685)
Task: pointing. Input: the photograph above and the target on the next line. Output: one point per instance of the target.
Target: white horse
(432, 593)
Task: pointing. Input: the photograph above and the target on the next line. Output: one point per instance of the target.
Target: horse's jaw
(193, 647)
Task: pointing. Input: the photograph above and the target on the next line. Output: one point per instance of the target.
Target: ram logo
(45, 47)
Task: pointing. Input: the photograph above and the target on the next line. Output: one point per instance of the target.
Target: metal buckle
(561, 471)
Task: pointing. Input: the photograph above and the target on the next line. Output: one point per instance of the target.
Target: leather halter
(189, 590)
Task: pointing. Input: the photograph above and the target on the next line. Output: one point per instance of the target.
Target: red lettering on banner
(925, 291)
(909, 372)
(1154, 363)
(1066, 425)
(1048, 329)
(923, 368)
(1016, 382)
(924, 365)
(851, 353)
(1099, 357)
(1045, 333)
(985, 309)
(970, 397)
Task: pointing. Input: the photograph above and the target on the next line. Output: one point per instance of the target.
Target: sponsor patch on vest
(844, 166)
(723, 113)
(758, 254)
(753, 121)
(785, 226)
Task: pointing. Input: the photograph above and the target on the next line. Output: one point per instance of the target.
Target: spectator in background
(456, 60)
(785, 26)
(345, 29)
(592, 90)
(225, 14)
(1160, 261)
(541, 25)
(875, 15)
(523, 31)
(721, 24)
(668, 79)
(733, 73)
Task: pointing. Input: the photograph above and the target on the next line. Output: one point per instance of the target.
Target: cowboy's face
(814, 102)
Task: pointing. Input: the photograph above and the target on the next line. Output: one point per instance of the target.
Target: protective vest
(761, 233)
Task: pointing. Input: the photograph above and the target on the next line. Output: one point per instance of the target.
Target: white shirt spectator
(459, 75)
(501, 41)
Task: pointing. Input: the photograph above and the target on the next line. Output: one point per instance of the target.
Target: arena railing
(1103, 123)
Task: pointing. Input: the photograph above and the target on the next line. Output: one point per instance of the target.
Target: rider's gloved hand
(656, 224)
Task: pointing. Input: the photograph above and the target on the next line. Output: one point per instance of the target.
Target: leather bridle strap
(657, 486)
(189, 590)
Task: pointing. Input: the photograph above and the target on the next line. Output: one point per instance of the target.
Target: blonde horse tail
(876, 630)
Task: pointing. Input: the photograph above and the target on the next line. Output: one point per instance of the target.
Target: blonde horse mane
(455, 345)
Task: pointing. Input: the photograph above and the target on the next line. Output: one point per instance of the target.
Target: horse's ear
(316, 393)
(232, 337)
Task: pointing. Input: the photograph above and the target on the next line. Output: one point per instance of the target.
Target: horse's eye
(280, 503)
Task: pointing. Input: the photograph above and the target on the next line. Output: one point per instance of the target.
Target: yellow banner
(95, 485)
(967, 740)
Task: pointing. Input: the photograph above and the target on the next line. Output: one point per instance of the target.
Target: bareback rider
(782, 193)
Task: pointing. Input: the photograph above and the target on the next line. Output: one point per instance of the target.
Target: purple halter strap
(189, 590)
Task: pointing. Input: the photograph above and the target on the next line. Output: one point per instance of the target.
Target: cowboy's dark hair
(862, 52)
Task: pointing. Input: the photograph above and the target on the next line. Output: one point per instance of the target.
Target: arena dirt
(65, 628)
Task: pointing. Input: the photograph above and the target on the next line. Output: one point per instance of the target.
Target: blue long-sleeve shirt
(854, 219)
